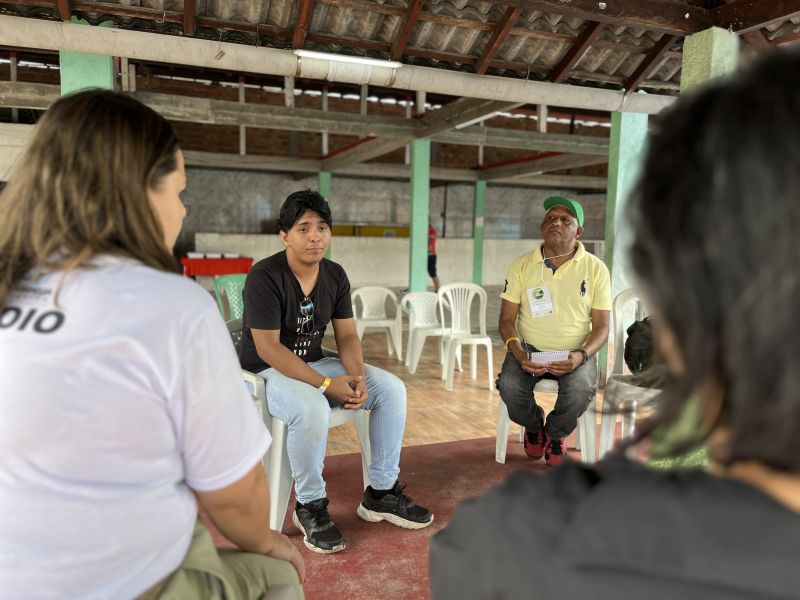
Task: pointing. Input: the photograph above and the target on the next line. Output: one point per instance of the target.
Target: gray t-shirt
(618, 531)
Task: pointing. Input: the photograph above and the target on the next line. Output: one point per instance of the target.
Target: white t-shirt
(116, 397)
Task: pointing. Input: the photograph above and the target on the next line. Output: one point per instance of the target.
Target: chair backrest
(423, 309)
(619, 308)
(229, 288)
(458, 297)
(235, 329)
(373, 302)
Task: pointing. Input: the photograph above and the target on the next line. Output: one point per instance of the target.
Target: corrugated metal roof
(451, 34)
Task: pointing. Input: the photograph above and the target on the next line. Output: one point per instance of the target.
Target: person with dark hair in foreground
(122, 406)
(289, 299)
(715, 220)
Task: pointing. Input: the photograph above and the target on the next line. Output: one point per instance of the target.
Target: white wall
(13, 139)
(383, 261)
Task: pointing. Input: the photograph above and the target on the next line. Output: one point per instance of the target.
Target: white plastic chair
(423, 322)
(276, 460)
(585, 438)
(459, 297)
(373, 315)
(608, 421)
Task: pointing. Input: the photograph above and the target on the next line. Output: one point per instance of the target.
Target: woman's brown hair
(80, 187)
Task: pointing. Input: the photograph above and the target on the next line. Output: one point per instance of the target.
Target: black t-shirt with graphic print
(273, 299)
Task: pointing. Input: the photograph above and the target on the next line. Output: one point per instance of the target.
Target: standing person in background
(122, 406)
(432, 257)
(715, 253)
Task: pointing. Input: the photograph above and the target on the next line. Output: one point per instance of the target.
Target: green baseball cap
(571, 205)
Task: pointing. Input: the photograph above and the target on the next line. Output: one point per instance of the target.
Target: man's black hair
(298, 203)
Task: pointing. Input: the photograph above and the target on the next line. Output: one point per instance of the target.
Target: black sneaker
(395, 507)
(321, 534)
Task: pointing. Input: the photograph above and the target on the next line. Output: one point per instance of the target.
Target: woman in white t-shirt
(122, 406)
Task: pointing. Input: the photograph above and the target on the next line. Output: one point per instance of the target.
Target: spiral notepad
(541, 358)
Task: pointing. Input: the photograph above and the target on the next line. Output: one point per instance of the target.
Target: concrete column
(13, 67)
(420, 207)
(242, 128)
(325, 187)
(708, 54)
(81, 70)
(625, 153)
(477, 231)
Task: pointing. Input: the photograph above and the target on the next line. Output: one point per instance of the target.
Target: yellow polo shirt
(578, 286)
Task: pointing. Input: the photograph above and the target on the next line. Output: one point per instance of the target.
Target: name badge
(540, 302)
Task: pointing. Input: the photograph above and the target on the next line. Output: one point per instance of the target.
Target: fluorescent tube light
(358, 60)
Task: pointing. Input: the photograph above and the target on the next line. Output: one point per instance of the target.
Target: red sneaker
(554, 450)
(534, 443)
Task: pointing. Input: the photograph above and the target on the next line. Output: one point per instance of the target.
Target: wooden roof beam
(498, 37)
(540, 163)
(649, 63)
(189, 14)
(64, 10)
(576, 51)
(744, 16)
(304, 13)
(409, 21)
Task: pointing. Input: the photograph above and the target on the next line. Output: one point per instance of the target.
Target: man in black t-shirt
(289, 299)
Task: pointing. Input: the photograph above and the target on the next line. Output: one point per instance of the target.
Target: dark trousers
(575, 392)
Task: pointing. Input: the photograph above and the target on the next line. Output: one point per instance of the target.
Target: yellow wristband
(511, 339)
(324, 385)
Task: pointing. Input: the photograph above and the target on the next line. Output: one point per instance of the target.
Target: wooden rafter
(304, 12)
(757, 40)
(749, 15)
(189, 15)
(576, 52)
(411, 16)
(648, 64)
(498, 37)
(64, 10)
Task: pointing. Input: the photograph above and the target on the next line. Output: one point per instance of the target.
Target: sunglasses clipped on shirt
(307, 313)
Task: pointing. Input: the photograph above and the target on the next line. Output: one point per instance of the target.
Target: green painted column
(707, 55)
(477, 232)
(81, 70)
(325, 188)
(625, 154)
(420, 208)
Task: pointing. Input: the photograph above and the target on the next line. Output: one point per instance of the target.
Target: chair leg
(360, 327)
(414, 353)
(453, 348)
(389, 340)
(588, 430)
(473, 361)
(409, 346)
(397, 338)
(503, 423)
(362, 428)
(629, 421)
(608, 425)
(280, 476)
(490, 365)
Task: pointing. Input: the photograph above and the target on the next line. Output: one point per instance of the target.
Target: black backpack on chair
(639, 346)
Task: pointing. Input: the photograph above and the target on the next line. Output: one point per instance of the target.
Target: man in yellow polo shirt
(557, 297)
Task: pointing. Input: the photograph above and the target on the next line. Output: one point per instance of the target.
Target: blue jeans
(576, 391)
(306, 412)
